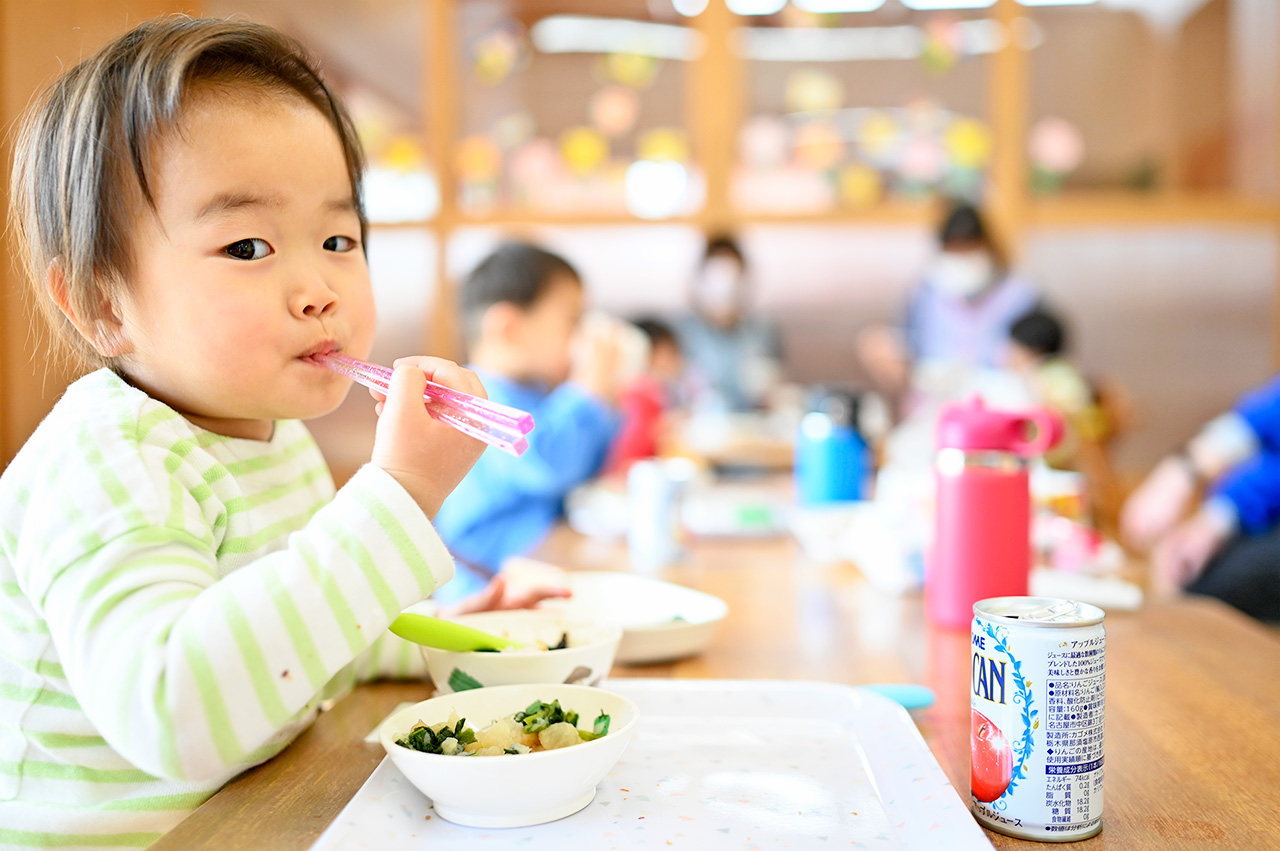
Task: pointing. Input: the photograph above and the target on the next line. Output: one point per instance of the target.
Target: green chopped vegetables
(442, 740)
(539, 716)
(598, 729)
(540, 727)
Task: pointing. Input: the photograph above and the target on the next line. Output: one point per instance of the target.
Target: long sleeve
(568, 445)
(642, 408)
(391, 658)
(1253, 488)
(188, 674)
(1260, 408)
(506, 505)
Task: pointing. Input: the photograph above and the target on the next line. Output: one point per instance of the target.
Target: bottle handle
(1049, 431)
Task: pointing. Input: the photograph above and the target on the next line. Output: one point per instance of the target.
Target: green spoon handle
(445, 635)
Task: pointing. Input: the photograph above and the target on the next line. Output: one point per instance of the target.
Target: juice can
(1038, 689)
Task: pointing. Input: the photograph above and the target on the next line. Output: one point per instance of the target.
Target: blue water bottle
(833, 463)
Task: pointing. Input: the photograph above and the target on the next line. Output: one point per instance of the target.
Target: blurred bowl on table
(511, 790)
(660, 621)
(591, 643)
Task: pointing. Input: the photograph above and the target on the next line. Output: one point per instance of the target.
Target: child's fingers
(528, 598)
(404, 397)
(446, 372)
(484, 600)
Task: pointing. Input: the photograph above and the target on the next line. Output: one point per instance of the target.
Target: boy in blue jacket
(521, 309)
(1230, 548)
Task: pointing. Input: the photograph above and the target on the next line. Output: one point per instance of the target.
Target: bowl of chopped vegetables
(555, 649)
(510, 756)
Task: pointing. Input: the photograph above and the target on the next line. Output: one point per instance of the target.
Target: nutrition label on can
(1075, 692)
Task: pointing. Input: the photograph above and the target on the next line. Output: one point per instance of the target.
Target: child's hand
(1157, 505)
(427, 457)
(1180, 558)
(496, 595)
(597, 361)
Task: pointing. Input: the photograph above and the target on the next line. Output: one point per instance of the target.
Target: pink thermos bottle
(982, 535)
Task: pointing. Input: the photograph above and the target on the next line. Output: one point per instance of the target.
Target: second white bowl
(585, 661)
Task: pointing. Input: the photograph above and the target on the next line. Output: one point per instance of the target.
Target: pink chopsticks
(494, 424)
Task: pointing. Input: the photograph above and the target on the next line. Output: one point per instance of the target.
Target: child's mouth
(315, 353)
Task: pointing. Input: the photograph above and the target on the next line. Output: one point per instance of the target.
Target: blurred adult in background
(1230, 547)
(733, 354)
(959, 315)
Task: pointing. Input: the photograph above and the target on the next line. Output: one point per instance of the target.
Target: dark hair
(723, 245)
(516, 272)
(963, 224)
(81, 158)
(656, 331)
(1039, 331)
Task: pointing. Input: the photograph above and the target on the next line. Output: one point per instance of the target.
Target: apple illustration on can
(991, 758)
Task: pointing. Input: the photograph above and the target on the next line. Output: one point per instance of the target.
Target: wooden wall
(38, 38)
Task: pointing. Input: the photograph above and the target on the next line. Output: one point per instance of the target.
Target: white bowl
(514, 790)
(586, 660)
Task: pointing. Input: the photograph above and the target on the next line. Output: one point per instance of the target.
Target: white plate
(677, 786)
(660, 620)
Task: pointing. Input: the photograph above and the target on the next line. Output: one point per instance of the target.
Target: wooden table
(1192, 728)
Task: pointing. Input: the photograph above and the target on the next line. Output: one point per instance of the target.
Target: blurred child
(1037, 347)
(648, 397)
(1229, 547)
(180, 585)
(521, 309)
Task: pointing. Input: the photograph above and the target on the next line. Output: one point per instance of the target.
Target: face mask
(962, 275)
(718, 287)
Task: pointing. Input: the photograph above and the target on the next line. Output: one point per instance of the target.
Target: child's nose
(314, 298)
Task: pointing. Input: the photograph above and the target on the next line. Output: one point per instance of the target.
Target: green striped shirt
(175, 604)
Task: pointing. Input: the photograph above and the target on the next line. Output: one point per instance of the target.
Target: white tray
(802, 797)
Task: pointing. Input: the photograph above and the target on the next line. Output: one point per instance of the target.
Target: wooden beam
(8, 269)
(714, 105)
(1130, 208)
(1008, 92)
(441, 71)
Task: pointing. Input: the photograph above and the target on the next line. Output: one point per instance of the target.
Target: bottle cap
(973, 426)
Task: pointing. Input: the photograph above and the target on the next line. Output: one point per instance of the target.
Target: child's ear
(501, 321)
(105, 332)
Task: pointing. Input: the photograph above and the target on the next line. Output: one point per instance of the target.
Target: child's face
(546, 330)
(251, 263)
(1019, 358)
(665, 361)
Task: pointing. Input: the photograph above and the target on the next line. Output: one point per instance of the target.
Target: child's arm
(193, 676)
(567, 446)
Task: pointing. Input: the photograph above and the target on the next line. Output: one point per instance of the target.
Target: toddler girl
(180, 586)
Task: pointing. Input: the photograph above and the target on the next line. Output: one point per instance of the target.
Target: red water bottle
(982, 532)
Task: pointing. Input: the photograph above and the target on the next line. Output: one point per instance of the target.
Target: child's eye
(340, 244)
(248, 249)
